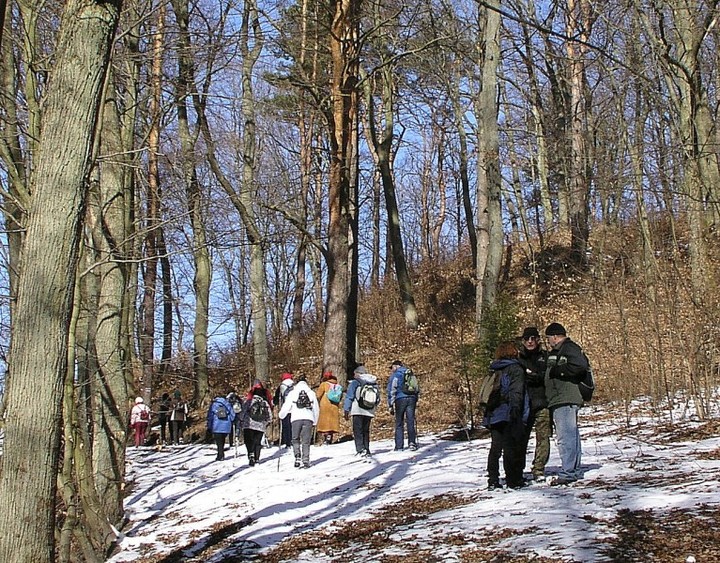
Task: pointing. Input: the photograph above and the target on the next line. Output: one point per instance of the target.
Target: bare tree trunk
(150, 265)
(111, 379)
(251, 31)
(579, 23)
(203, 269)
(344, 45)
(28, 482)
(382, 135)
(490, 236)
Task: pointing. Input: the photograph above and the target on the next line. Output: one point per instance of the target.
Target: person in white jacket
(302, 406)
(139, 420)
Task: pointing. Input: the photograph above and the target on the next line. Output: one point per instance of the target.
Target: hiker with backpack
(281, 394)
(220, 418)
(164, 416)
(534, 360)
(139, 420)
(567, 364)
(329, 394)
(178, 416)
(236, 428)
(256, 414)
(363, 396)
(301, 407)
(403, 391)
(506, 414)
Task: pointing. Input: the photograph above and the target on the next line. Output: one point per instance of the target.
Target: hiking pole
(280, 445)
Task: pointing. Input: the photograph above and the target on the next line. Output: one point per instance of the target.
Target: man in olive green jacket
(566, 364)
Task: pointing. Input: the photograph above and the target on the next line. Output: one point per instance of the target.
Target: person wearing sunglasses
(533, 359)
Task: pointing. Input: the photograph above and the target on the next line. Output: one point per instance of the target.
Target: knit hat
(138, 400)
(287, 375)
(555, 329)
(360, 369)
(328, 375)
(396, 363)
(530, 332)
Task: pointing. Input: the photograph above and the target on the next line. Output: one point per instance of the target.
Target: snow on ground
(428, 505)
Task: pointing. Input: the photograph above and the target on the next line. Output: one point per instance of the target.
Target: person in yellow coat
(329, 401)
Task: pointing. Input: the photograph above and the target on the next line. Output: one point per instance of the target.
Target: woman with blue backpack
(329, 393)
(506, 415)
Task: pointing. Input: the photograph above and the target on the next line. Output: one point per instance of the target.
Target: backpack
(179, 411)
(259, 409)
(334, 394)
(368, 396)
(410, 385)
(221, 412)
(586, 385)
(145, 414)
(303, 401)
(490, 393)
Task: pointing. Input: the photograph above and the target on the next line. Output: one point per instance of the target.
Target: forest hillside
(640, 329)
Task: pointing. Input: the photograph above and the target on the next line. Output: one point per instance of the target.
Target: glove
(392, 410)
(347, 415)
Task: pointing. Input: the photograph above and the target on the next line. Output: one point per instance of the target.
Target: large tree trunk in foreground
(38, 352)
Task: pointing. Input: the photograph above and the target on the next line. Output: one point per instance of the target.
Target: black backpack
(221, 412)
(586, 384)
(303, 401)
(259, 409)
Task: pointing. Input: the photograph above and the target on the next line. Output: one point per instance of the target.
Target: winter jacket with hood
(515, 405)
(565, 367)
(535, 364)
(395, 385)
(218, 425)
(296, 413)
(351, 405)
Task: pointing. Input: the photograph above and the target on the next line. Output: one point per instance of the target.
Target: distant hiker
(236, 403)
(506, 417)
(534, 359)
(402, 397)
(302, 407)
(220, 418)
(361, 399)
(281, 393)
(164, 416)
(256, 415)
(329, 395)
(139, 420)
(178, 416)
(566, 364)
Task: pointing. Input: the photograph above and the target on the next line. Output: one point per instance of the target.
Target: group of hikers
(535, 389)
(305, 412)
(538, 389)
(172, 415)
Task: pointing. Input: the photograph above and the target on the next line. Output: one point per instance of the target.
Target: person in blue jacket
(220, 418)
(506, 418)
(402, 403)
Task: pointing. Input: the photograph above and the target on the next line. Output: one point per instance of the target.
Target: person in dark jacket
(566, 364)
(286, 384)
(220, 417)
(164, 416)
(507, 420)
(534, 359)
(256, 415)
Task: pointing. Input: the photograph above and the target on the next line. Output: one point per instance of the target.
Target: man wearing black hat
(534, 360)
(566, 364)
